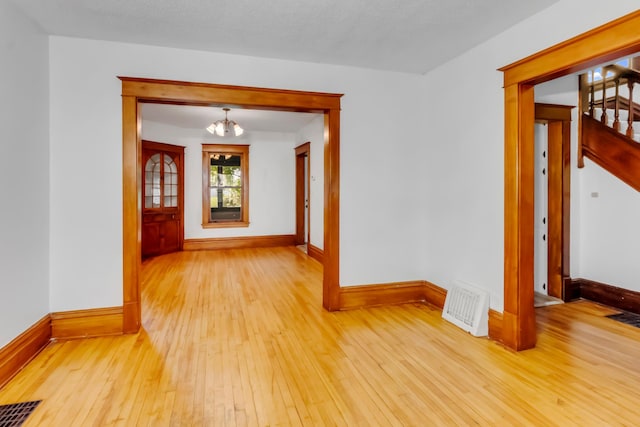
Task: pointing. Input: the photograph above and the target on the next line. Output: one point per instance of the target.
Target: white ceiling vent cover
(467, 307)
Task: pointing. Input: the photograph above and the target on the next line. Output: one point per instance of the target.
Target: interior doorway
(303, 195)
(552, 172)
(541, 247)
(552, 202)
(139, 90)
(610, 41)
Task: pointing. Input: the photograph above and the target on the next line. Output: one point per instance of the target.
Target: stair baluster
(630, 119)
(603, 117)
(616, 114)
(592, 97)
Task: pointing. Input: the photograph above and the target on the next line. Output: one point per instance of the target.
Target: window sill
(226, 224)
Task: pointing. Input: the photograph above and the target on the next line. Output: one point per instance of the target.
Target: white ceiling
(411, 36)
(195, 117)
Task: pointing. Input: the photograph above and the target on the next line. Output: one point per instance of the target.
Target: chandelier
(223, 127)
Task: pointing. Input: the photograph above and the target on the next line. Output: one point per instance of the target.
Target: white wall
(609, 229)
(271, 179)
(24, 175)
(464, 149)
(421, 181)
(377, 243)
(314, 133)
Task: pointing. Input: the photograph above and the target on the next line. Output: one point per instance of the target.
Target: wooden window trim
(243, 152)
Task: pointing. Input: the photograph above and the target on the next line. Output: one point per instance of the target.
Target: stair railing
(613, 77)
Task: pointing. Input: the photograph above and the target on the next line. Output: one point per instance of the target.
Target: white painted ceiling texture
(412, 36)
(196, 117)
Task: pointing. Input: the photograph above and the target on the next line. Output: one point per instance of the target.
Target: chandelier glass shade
(226, 126)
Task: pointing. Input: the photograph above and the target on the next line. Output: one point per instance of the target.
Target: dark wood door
(163, 199)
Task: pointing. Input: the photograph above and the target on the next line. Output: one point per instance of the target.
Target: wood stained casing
(137, 90)
(607, 42)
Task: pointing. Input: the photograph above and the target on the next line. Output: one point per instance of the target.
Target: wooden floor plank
(239, 338)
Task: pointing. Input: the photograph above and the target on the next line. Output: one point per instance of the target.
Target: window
(596, 74)
(160, 182)
(225, 185)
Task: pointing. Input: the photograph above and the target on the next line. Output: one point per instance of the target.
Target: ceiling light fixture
(223, 127)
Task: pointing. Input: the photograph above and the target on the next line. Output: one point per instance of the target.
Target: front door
(163, 200)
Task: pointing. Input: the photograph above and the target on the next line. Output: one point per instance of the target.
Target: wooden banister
(607, 145)
(612, 151)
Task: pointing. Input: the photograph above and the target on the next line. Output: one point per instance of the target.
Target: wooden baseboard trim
(495, 325)
(15, 355)
(434, 294)
(239, 242)
(622, 299)
(392, 293)
(315, 253)
(570, 289)
(407, 292)
(380, 294)
(96, 322)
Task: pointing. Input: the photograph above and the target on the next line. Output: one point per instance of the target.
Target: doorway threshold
(541, 300)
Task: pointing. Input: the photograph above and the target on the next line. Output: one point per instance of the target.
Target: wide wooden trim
(519, 328)
(558, 121)
(613, 296)
(553, 112)
(381, 294)
(239, 242)
(315, 253)
(331, 244)
(195, 93)
(607, 42)
(163, 146)
(408, 292)
(95, 322)
(555, 208)
(434, 294)
(571, 289)
(303, 149)
(139, 90)
(495, 325)
(22, 349)
(392, 293)
(604, 43)
(131, 213)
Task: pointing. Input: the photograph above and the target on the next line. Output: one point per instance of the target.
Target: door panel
(163, 189)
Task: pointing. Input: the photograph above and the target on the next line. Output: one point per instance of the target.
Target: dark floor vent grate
(14, 414)
(632, 319)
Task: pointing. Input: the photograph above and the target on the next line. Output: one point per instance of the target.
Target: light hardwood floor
(239, 338)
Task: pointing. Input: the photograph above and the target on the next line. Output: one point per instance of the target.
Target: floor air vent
(14, 414)
(626, 317)
(468, 308)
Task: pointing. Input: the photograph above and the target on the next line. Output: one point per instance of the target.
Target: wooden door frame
(139, 90)
(303, 154)
(608, 42)
(558, 121)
